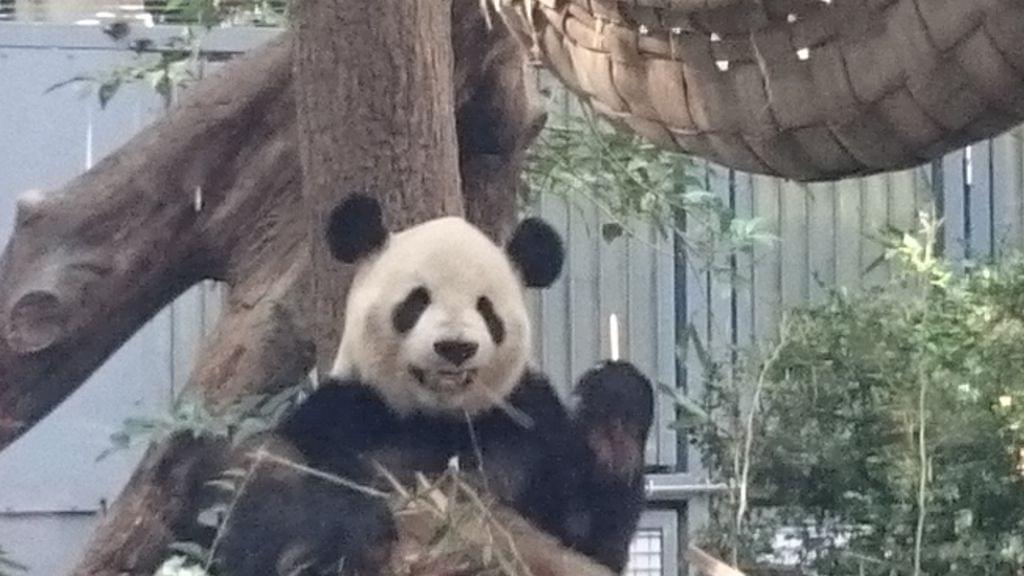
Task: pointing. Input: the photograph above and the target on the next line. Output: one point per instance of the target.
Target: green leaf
(878, 261)
(70, 81)
(108, 89)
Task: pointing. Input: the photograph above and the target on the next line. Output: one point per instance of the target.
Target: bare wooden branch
(90, 263)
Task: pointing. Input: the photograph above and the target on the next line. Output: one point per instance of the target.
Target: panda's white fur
(457, 264)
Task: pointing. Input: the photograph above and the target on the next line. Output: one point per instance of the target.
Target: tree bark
(376, 113)
(234, 138)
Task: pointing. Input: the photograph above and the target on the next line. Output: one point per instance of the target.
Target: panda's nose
(455, 351)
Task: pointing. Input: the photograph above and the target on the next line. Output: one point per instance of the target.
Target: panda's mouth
(444, 381)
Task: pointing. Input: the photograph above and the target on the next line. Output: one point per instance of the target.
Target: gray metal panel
(743, 206)
(191, 319)
(767, 258)
(693, 336)
(584, 257)
(1007, 183)
(631, 277)
(925, 197)
(874, 206)
(554, 324)
(32, 35)
(720, 288)
(793, 234)
(902, 200)
(954, 207)
(48, 545)
(821, 240)
(613, 279)
(979, 199)
(186, 324)
(665, 345)
(848, 236)
(642, 300)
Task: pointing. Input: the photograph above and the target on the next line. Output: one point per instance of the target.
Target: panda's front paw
(615, 413)
(617, 390)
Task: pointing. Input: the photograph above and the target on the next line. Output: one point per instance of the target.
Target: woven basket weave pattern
(805, 89)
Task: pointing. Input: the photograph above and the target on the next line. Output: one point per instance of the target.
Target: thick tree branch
(88, 264)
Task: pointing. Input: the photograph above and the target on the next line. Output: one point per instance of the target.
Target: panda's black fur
(578, 475)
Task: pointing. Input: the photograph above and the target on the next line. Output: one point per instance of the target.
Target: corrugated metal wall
(50, 483)
(826, 230)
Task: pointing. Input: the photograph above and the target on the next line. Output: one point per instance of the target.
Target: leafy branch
(179, 62)
(174, 65)
(889, 431)
(632, 183)
(250, 416)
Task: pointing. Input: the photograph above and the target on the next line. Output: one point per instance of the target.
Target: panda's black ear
(536, 250)
(355, 228)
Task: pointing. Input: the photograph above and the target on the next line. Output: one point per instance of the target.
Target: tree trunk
(375, 102)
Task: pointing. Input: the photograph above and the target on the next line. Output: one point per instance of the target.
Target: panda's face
(436, 317)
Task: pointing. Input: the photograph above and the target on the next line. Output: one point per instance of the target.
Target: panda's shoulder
(534, 386)
(536, 397)
(337, 409)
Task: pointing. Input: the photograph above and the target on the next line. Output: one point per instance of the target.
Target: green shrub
(837, 454)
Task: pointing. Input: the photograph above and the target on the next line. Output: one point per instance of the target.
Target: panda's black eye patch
(409, 311)
(494, 324)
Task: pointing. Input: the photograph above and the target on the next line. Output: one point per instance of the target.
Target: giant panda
(434, 364)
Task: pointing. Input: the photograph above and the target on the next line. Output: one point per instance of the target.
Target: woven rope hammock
(805, 89)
